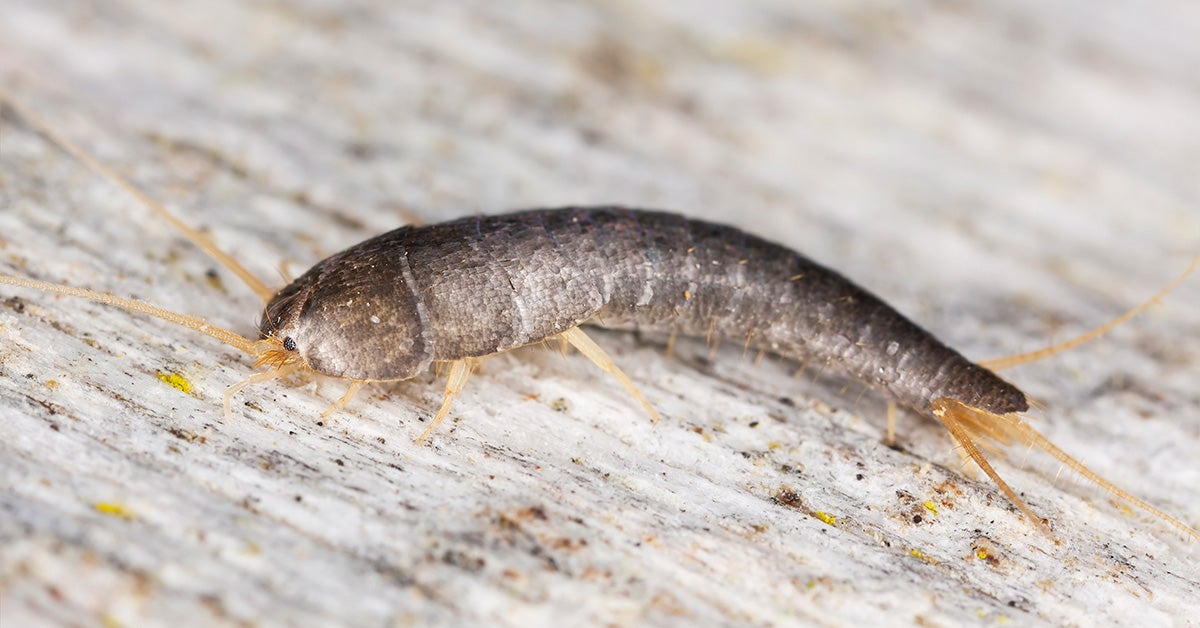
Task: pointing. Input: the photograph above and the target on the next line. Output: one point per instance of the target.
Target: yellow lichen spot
(999, 619)
(108, 621)
(176, 381)
(919, 554)
(931, 507)
(981, 554)
(773, 445)
(827, 518)
(687, 295)
(52, 384)
(113, 509)
(761, 55)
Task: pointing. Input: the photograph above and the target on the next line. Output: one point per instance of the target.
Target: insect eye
(289, 344)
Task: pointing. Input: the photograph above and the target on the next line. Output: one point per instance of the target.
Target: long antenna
(199, 239)
(1007, 361)
(224, 335)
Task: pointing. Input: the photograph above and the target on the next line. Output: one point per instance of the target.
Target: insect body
(389, 307)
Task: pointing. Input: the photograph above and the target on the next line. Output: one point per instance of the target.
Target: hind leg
(587, 347)
(459, 371)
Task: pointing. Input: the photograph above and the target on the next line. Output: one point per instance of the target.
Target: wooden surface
(1006, 173)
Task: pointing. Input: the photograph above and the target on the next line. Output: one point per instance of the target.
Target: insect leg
(257, 378)
(670, 350)
(459, 370)
(891, 428)
(355, 386)
(587, 347)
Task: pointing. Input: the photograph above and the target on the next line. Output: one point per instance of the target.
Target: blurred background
(1007, 173)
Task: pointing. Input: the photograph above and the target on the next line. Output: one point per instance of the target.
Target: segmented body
(388, 307)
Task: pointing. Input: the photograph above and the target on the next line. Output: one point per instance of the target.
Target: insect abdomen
(493, 283)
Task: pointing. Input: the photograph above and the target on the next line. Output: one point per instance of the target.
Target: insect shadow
(449, 294)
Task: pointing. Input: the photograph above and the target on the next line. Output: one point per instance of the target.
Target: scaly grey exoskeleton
(388, 308)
